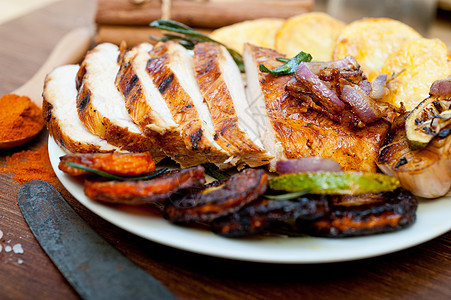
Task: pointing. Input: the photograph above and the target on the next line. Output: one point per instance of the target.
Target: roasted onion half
(425, 172)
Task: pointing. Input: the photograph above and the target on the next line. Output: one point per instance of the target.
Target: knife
(90, 264)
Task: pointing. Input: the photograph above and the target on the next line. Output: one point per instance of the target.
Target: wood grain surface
(422, 272)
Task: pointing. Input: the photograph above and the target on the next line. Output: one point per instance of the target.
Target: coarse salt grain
(1, 234)
(8, 248)
(0, 248)
(19, 261)
(17, 248)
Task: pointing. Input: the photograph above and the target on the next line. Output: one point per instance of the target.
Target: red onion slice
(307, 164)
(441, 88)
(362, 105)
(378, 87)
(318, 89)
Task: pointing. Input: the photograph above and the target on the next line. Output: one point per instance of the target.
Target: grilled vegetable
(146, 191)
(425, 172)
(364, 215)
(218, 200)
(264, 213)
(430, 118)
(125, 164)
(344, 183)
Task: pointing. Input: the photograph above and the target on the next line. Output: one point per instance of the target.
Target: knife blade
(90, 264)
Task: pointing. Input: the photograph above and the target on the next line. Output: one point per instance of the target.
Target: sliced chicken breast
(60, 112)
(101, 107)
(292, 130)
(258, 98)
(170, 68)
(221, 84)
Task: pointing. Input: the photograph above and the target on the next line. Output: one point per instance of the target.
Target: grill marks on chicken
(146, 191)
(101, 107)
(60, 112)
(222, 88)
(293, 130)
(216, 201)
(171, 69)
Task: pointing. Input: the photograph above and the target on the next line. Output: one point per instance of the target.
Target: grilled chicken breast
(171, 71)
(220, 82)
(292, 130)
(101, 106)
(60, 112)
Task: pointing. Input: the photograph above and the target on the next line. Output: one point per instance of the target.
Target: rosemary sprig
(287, 196)
(289, 67)
(213, 171)
(190, 37)
(115, 177)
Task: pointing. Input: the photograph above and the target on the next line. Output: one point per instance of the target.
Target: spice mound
(19, 117)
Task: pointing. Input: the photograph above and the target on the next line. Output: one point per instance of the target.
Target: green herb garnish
(287, 196)
(190, 38)
(115, 177)
(289, 67)
(213, 171)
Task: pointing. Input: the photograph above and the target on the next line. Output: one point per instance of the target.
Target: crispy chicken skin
(216, 201)
(141, 192)
(222, 87)
(302, 132)
(113, 163)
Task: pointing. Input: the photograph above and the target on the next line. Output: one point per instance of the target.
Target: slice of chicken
(170, 68)
(222, 87)
(60, 112)
(101, 107)
(257, 100)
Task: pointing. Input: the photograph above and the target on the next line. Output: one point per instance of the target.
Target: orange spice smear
(30, 165)
(19, 117)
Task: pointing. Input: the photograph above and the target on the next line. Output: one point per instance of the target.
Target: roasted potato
(371, 41)
(419, 63)
(314, 33)
(259, 32)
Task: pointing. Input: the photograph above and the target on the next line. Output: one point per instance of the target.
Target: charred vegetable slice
(430, 118)
(343, 183)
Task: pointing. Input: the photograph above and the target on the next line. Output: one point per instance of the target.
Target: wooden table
(422, 272)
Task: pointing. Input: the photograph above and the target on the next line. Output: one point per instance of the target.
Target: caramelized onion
(378, 87)
(362, 105)
(441, 88)
(307, 164)
(318, 89)
(426, 172)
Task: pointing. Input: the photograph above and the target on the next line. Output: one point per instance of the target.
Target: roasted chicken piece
(170, 68)
(113, 163)
(263, 214)
(141, 192)
(102, 108)
(222, 88)
(290, 129)
(364, 215)
(218, 200)
(59, 108)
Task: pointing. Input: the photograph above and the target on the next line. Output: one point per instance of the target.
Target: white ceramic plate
(433, 219)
